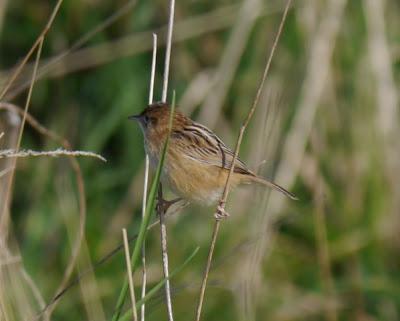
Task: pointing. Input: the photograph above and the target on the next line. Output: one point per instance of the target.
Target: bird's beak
(135, 117)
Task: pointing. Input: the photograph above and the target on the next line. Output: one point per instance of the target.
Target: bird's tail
(264, 182)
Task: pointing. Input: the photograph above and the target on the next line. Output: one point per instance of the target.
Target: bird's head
(154, 119)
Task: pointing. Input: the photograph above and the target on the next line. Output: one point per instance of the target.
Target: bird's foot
(163, 205)
(221, 213)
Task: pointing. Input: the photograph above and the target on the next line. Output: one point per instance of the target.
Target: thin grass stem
(163, 228)
(222, 202)
(37, 43)
(11, 153)
(157, 287)
(145, 222)
(146, 179)
(4, 218)
(153, 69)
(168, 50)
(82, 202)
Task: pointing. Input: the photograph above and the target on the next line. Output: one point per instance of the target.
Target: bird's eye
(146, 120)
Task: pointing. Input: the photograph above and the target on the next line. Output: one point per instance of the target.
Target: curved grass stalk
(222, 202)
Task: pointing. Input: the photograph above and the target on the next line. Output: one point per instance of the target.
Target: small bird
(197, 161)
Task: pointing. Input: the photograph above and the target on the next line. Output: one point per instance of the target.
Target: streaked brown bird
(197, 161)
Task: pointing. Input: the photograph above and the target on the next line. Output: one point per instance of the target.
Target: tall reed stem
(222, 202)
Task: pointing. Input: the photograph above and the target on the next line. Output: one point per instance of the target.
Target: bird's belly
(191, 180)
(195, 182)
(198, 195)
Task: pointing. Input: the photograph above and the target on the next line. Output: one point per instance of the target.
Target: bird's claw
(221, 213)
(163, 205)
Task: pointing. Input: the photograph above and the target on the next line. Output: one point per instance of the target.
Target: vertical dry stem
(163, 229)
(153, 68)
(168, 49)
(37, 45)
(207, 270)
(4, 218)
(164, 253)
(146, 180)
(222, 203)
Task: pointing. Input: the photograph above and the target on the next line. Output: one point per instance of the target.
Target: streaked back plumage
(197, 161)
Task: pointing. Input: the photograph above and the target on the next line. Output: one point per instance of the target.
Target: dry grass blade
(5, 171)
(81, 193)
(295, 143)
(207, 270)
(37, 43)
(168, 50)
(7, 153)
(153, 69)
(164, 254)
(28, 99)
(35, 124)
(321, 48)
(36, 293)
(250, 277)
(221, 206)
(4, 218)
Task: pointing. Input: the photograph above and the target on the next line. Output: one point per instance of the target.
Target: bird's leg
(162, 204)
(221, 213)
(165, 205)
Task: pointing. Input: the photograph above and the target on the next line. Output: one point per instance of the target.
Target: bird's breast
(188, 178)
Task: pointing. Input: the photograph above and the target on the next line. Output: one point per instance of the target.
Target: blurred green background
(326, 128)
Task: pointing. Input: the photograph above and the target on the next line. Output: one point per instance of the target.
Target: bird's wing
(200, 144)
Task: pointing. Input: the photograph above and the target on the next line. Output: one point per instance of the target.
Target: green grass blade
(128, 315)
(146, 219)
